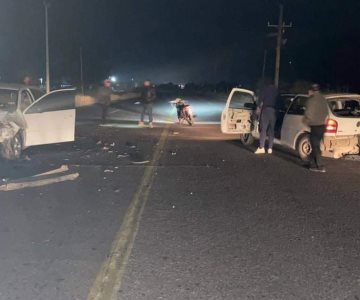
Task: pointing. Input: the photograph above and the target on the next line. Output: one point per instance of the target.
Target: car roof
(334, 95)
(17, 86)
(341, 95)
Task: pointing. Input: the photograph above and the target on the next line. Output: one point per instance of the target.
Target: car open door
(51, 119)
(236, 116)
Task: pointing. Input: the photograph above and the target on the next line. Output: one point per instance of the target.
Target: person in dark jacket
(316, 112)
(268, 104)
(104, 98)
(148, 96)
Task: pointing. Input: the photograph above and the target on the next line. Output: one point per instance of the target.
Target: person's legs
(104, 108)
(264, 123)
(320, 130)
(143, 111)
(316, 135)
(271, 127)
(150, 112)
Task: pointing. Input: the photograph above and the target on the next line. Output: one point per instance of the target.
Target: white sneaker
(260, 151)
(269, 151)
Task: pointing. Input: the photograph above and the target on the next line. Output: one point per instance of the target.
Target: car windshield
(8, 100)
(345, 107)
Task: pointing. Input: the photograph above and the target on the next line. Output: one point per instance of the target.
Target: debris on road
(105, 148)
(38, 180)
(99, 143)
(141, 162)
(108, 171)
(112, 145)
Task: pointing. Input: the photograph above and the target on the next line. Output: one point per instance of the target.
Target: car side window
(239, 99)
(297, 107)
(56, 101)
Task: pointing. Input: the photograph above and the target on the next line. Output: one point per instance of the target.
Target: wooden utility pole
(280, 31)
(81, 71)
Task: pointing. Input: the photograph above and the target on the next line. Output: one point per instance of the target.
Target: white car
(342, 125)
(29, 117)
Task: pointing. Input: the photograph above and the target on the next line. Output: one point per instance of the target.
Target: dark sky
(181, 40)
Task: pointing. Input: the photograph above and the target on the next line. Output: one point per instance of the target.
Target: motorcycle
(184, 111)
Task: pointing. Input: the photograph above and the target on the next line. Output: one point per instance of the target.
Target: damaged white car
(28, 117)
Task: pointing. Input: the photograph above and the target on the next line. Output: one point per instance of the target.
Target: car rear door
(236, 116)
(51, 119)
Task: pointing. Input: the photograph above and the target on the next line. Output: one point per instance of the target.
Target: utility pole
(81, 71)
(46, 6)
(280, 31)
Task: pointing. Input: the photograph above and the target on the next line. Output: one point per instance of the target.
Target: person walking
(104, 98)
(268, 99)
(148, 96)
(316, 112)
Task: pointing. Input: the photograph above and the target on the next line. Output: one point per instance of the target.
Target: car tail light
(331, 126)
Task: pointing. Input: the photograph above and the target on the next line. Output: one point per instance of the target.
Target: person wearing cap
(268, 104)
(316, 112)
(148, 96)
(104, 98)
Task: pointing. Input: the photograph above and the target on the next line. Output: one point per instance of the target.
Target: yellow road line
(109, 279)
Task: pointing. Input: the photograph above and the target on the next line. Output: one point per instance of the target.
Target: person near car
(316, 112)
(148, 96)
(104, 98)
(268, 103)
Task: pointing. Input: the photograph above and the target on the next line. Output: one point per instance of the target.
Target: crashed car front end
(10, 126)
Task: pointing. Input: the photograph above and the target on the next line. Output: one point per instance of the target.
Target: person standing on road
(316, 112)
(148, 96)
(104, 98)
(268, 99)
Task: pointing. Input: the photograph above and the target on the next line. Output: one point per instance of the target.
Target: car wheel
(247, 139)
(304, 147)
(12, 148)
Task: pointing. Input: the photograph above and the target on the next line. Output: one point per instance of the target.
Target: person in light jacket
(316, 113)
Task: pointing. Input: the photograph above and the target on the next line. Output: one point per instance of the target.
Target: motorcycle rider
(180, 104)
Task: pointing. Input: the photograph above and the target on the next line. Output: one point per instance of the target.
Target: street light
(46, 6)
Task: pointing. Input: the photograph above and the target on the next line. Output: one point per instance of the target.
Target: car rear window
(345, 107)
(239, 99)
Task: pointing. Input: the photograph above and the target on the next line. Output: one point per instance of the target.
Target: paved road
(204, 219)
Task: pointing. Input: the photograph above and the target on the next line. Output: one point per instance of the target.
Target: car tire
(304, 147)
(12, 149)
(247, 139)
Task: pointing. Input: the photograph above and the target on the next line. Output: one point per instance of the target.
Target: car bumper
(337, 147)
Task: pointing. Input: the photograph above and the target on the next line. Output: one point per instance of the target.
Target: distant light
(41, 80)
(112, 79)
(182, 86)
(290, 62)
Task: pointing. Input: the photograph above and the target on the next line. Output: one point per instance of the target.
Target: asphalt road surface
(177, 212)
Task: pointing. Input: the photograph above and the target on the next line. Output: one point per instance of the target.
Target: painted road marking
(109, 279)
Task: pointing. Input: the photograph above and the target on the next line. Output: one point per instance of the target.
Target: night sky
(181, 40)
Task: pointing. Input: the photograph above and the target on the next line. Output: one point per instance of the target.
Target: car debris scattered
(53, 176)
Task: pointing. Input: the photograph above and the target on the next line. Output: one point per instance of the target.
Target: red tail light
(331, 126)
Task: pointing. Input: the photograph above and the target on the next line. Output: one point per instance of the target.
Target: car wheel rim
(306, 148)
